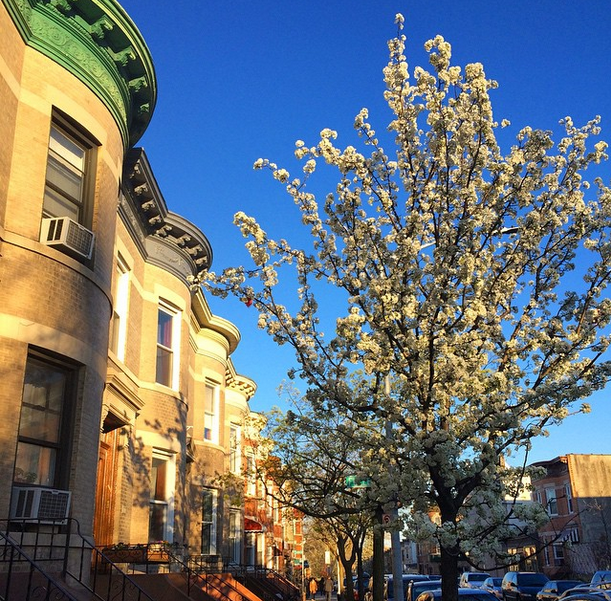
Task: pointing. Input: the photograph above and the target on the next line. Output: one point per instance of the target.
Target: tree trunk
(359, 573)
(449, 575)
(347, 563)
(378, 558)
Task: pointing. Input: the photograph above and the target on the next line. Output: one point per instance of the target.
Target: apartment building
(575, 491)
(122, 407)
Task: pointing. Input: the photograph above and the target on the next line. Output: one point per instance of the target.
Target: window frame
(569, 498)
(58, 474)
(558, 554)
(211, 418)
(234, 537)
(551, 501)
(165, 490)
(118, 330)
(83, 140)
(235, 448)
(212, 494)
(173, 351)
(251, 474)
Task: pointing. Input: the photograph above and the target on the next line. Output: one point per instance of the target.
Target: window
(250, 547)
(251, 474)
(546, 556)
(234, 535)
(569, 498)
(162, 485)
(68, 162)
(42, 452)
(118, 327)
(209, 516)
(168, 333)
(552, 501)
(558, 554)
(211, 412)
(235, 449)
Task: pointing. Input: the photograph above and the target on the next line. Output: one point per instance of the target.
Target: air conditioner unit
(67, 235)
(41, 504)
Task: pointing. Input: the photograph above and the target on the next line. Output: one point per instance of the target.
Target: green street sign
(353, 482)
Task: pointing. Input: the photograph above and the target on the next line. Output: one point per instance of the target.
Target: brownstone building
(121, 405)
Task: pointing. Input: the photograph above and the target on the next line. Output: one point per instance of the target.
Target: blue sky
(242, 80)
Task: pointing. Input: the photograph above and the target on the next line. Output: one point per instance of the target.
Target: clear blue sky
(242, 80)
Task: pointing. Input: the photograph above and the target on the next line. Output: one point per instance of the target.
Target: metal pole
(395, 535)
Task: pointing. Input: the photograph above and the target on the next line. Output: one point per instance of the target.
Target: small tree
(457, 265)
(316, 462)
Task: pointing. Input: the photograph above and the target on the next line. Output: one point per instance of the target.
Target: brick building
(120, 399)
(574, 489)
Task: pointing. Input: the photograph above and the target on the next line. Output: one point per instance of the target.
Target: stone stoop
(225, 586)
(173, 587)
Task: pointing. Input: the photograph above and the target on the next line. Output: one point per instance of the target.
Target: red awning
(252, 526)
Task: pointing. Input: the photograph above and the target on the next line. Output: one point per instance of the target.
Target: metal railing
(58, 557)
(59, 551)
(29, 583)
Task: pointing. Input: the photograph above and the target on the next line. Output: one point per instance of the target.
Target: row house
(122, 407)
(575, 490)
(273, 532)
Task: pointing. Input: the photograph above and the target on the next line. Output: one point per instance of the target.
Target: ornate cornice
(100, 45)
(242, 384)
(164, 238)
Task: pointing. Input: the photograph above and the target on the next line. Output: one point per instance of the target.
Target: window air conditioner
(67, 235)
(44, 504)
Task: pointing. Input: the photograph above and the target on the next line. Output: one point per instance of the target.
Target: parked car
(493, 585)
(415, 589)
(586, 590)
(472, 579)
(464, 594)
(522, 586)
(554, 588)
(602, 577)
(596, 595)
(407, 578)
(389, 589)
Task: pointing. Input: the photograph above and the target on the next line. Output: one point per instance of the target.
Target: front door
(105, 491)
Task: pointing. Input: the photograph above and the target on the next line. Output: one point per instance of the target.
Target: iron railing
(29, 583)
(58, 557)
(60, 552)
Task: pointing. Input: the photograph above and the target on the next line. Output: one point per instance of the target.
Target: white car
(472, 579)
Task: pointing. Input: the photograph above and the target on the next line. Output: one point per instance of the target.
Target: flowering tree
(473, 280)
(317, 467)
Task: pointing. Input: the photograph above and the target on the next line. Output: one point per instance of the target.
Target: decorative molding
(98, 43)
(165, 238)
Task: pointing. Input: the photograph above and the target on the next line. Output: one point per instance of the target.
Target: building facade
(574, 489)
(120, 399)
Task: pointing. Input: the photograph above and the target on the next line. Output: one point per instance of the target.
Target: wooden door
(105, 491)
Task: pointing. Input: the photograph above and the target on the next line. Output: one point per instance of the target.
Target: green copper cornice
(98, 43)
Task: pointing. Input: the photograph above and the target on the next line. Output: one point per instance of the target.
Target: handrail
(204, 579)
(39, 585)
(52, 542)
(258, 573)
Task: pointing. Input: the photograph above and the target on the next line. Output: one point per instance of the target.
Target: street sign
(353, 482)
